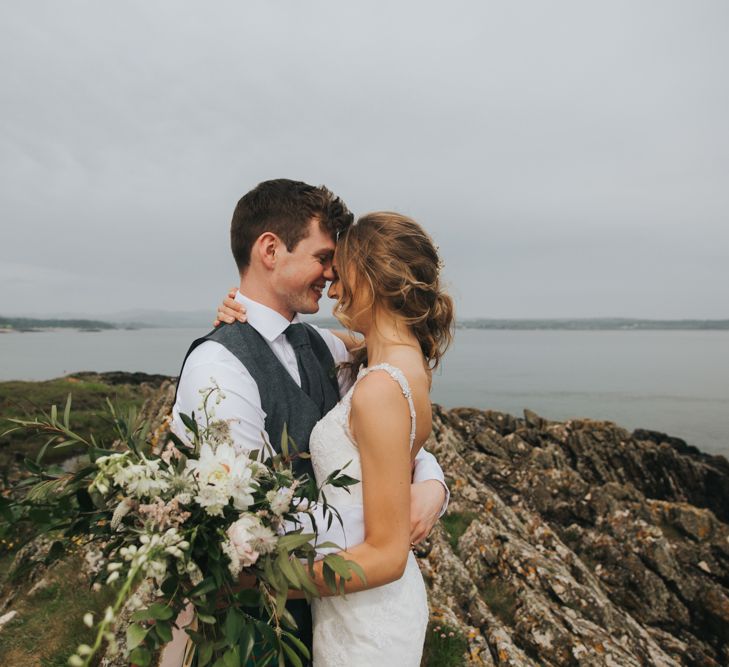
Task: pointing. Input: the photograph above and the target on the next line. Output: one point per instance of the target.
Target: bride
(387, 288)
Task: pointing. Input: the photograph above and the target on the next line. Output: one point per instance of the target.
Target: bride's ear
(266, 247)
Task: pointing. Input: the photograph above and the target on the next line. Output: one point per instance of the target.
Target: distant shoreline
(596, 324)
(11, 325)
(31, 325)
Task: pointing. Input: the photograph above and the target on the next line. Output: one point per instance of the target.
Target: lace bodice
(331, 443)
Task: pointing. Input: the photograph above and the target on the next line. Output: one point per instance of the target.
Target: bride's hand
(230, 310)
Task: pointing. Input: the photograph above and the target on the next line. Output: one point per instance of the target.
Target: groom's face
(302, 274)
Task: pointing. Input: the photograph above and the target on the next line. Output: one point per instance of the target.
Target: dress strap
(400, 378)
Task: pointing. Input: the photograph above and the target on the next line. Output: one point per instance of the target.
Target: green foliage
(24, 400)
(444, 647)
(456, 523)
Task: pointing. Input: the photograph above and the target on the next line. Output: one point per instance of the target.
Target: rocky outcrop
(568, 543)
(573, 543)
(585, 544)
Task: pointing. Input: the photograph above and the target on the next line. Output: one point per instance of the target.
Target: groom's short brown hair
(285, 208)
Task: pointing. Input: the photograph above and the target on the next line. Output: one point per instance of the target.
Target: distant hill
(30, 323)
(597, 324)
(143, 319)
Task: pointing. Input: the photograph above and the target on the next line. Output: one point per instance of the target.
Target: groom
(273, 369)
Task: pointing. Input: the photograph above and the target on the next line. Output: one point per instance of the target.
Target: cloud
(579, 147)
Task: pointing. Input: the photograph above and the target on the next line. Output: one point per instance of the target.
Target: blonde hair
(390, 256)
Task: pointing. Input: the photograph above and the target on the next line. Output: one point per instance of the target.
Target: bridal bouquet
(190, 517)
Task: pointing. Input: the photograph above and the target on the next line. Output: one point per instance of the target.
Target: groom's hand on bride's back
(230, 310)
(426, 502)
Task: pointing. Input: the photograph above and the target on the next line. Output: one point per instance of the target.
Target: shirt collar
(266, 321)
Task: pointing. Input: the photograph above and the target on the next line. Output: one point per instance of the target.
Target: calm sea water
(671, 381)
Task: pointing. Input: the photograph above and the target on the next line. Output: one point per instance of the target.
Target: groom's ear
(266, 247)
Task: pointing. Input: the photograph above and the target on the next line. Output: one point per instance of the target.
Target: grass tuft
(444, 647)
(456, 523)
(500, 598)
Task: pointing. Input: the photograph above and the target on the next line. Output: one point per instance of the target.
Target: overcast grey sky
(571, 159)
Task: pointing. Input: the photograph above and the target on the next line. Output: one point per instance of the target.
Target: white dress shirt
(241, 405)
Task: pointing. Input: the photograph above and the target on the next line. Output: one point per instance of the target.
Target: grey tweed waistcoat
(283, 401)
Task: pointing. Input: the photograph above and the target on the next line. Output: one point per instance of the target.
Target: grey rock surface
(585, 544)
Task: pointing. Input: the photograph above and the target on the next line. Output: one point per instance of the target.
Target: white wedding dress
(383, 626)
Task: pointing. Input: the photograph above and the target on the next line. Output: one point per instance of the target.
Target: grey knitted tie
(309, 367)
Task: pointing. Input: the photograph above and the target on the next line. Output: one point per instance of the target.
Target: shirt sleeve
(238, 402)
(427, 468)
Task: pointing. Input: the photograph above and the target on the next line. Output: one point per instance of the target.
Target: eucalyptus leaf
(246, 642)
(205, 586)
(164, 632)
(300, 646)
(294, 540)
(292, 656)
(305, 580)
(233, 625)
(204, 654)
(285, 441)
(135, 635)
(284, 564)
(231, 658)
(160, 612)
(67, 411)
(189, 423)
(140, 656)
(330, 578)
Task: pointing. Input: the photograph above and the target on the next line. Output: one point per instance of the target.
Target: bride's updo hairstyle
(387, 261)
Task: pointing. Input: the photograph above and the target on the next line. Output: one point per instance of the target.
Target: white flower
(218, 432)
(213, 499)
(195, 573)
(183, 498)
(222, 474)
(280, 500)
(121, 510)
(142, 479)
(263, 538)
